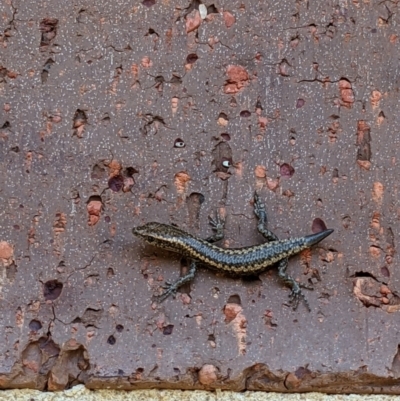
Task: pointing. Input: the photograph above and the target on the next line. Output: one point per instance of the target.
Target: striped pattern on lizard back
(251, 260)
(240, 261)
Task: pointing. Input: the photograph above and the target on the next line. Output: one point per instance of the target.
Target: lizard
(236, 262)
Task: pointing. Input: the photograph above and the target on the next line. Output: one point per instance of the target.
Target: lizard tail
(313, 239)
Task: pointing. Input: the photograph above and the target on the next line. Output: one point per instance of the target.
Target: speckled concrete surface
(80, 393)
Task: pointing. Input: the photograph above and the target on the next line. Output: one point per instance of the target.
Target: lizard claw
(216, 223)
(294, 298)
(170, 289)
(307, 287)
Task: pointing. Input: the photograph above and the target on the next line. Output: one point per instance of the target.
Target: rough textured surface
(115, 113)
(79, 393)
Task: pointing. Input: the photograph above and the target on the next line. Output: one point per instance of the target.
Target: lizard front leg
(172, 288)
(217, 225)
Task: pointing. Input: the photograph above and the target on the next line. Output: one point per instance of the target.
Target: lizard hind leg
(296, 293)
(260, 212)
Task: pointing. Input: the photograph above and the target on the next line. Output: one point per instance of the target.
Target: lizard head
(147, 232)
(161, 235)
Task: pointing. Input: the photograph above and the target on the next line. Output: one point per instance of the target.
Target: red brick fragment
(346, 93)
(94, 209)
(193, 21)
(208, 374)
(237, 79)
(228, 18)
